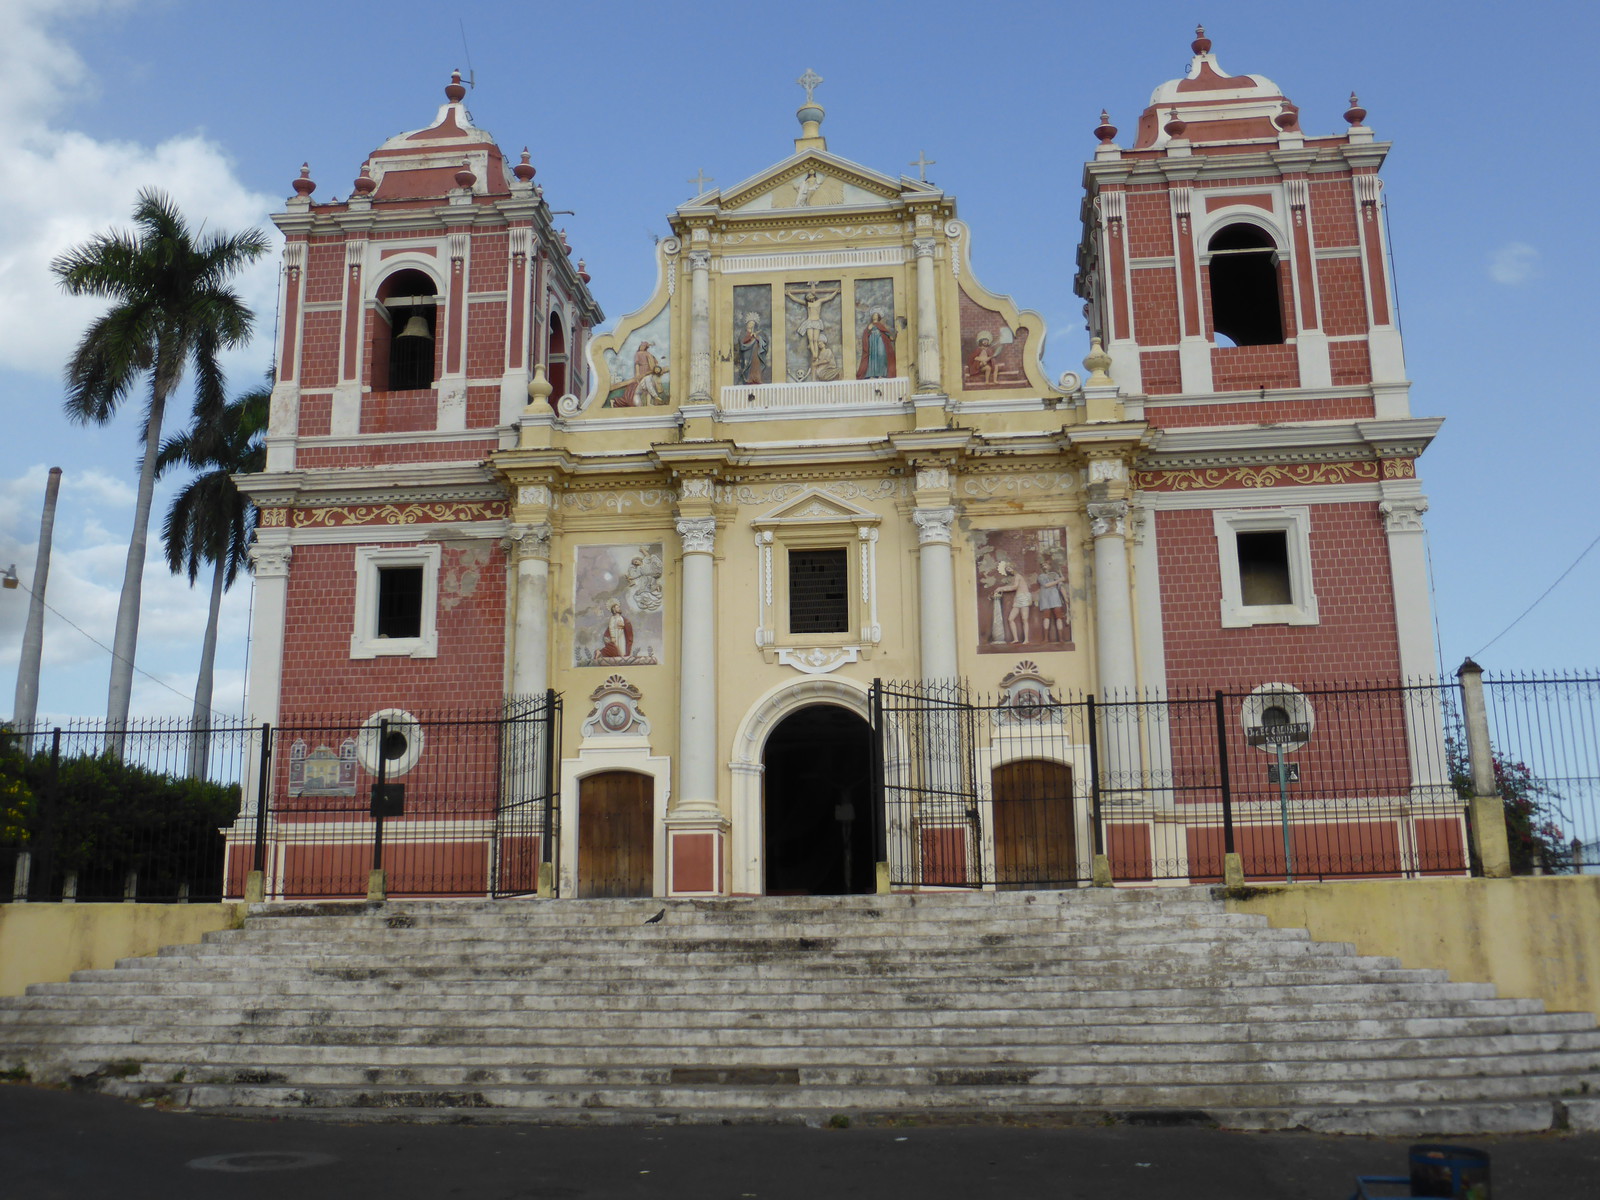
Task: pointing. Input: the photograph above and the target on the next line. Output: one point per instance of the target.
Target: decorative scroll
(399, 514)
(1269, 477)
(273, 518)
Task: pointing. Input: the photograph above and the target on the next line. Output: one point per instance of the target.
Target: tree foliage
(1534, 831)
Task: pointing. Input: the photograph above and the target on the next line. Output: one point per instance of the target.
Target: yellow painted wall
(1530, 937)
(46, 943)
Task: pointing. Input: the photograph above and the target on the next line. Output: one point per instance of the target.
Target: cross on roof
(700, 179)
(922, 162)
(809, 81)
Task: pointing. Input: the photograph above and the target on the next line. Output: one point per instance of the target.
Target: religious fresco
(991, 350)
(640, 367)
(876, 352)
(813, 316)
(617, 602)
(1023, 598)
(752, 334)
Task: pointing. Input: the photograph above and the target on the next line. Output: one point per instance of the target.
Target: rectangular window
(1264, 568)
(400, 602)
(397, 600)
(819, 591)
(1264, 559)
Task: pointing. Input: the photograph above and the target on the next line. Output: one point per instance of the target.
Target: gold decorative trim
(399, 514)
(273, 518)
(1399, 468)
(1299, 474)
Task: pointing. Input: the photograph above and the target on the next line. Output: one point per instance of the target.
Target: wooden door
(1035, 842)
(615, 838)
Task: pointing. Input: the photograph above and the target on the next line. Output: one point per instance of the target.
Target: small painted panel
(813, 316)
(617, 605)
(752, 334)
(875, 329)
(991, 351)
(322, 772)
(640, 368)
(1023, 598)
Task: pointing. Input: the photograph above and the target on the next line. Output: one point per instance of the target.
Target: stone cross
(700, 180)
(809, 81)
(922, 162)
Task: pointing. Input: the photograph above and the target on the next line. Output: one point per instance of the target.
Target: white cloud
(1515, 263)
(62, 186)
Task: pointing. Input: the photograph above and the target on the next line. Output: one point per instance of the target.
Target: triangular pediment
(816, 507)
(811, 179)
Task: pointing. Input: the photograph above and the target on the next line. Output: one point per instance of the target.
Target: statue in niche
(751, 350)
(812, 327)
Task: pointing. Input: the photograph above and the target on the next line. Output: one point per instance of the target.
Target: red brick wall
(1237, 368)
(381, 453)
(1350, 364)
(1344, 296)
(1155, 307)
(320, 677)
(1260, 412)
(1356, 639)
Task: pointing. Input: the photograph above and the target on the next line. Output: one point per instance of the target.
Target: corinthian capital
(923, 246)
(530, 541)
(1403, 516)
(699, 534)
(700, 260)
(933, 525)
(1109, 517)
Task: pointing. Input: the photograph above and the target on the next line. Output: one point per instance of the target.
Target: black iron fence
(1025, 788)
(138, 812)
(457, 804)
(445, 804)
(1546, 736)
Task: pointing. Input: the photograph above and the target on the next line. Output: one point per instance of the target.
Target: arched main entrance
(817, 809)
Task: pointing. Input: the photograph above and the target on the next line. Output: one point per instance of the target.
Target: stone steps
(1058, 1003)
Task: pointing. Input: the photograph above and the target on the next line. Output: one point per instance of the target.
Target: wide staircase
(1097, 1005)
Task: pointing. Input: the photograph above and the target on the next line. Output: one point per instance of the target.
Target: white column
(700, 327)
(696, 767)
(1113, 611)
(530, 649)
(264, 687)
(928, 365)
(1413, 627)
(937, 592)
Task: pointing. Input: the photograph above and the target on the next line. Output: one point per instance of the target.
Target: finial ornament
(809, 81)
(453, 91)
(1176, 126)
(539, 388)
(303, 186)
(1355, 114)
(524, 170)
(1105, 131)
(1201, 43)
(1098, 363)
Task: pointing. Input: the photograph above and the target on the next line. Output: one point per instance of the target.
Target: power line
(1542, 595)
(115, 655)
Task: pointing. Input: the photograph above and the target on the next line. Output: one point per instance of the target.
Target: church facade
(821, 453)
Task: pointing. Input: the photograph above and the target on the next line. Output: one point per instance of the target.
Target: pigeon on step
(656, 920)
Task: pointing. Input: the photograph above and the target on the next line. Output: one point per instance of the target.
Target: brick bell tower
(1236, 269)
(413, 315)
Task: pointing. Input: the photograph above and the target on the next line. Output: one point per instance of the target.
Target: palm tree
(172, 308)
(210, 521)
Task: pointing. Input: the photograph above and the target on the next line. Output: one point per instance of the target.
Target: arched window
(1245, 305)
(403, 333)
(556, 359)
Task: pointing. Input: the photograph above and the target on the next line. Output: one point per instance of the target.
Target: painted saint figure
(619, 634)
(645, 386)
(877, 349)
(644, 573)
(1053, 603)
(984, 365)
(825, 366)
(750, 348)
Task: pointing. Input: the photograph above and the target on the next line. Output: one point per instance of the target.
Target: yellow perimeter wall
(1530, 937)
(46, 943)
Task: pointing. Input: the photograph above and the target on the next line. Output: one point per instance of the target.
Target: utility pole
(25, 709)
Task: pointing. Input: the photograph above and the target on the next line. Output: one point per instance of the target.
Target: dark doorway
(1035, 843)
(615, 838)
(818, 818)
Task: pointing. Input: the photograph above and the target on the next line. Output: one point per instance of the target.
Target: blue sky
(1490, 188)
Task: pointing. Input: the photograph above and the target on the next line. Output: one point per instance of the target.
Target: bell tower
(1228, 251)
(1235, 268)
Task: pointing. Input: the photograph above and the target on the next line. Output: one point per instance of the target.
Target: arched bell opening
(1246, 300)
(404, 341)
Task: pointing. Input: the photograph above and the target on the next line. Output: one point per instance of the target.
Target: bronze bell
(416, 327)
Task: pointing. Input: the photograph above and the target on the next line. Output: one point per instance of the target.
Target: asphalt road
(67, 1144)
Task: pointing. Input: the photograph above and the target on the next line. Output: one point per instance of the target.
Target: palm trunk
(200, 723)
(126, 643)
